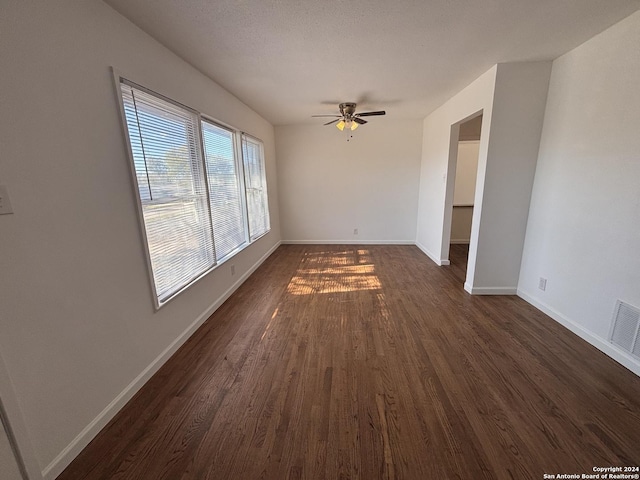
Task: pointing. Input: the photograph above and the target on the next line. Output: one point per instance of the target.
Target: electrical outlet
(5, 201)
(355, 231)
(233, 269)
(542, 284)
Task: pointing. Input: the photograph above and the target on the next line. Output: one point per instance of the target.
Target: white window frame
(238, 158)
(253, 238)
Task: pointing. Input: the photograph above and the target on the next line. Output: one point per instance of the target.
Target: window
(225, 194)
(195, 209)
(256, 185)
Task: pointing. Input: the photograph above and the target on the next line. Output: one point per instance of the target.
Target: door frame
(454, 135)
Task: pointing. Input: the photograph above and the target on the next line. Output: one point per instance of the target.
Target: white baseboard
(437, 261)
(620, 356)
(460, 241)
(490, 290)
(348, 242)
(90, 431)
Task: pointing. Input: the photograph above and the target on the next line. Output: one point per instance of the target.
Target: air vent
(625, 328)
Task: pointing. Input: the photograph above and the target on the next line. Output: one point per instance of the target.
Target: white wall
(504, 188)
(328, 186)
(583, 233)
(461, 220)
(78, 324)
(465, 188)
(466, 172)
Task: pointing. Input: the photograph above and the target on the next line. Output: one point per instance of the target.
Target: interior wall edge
(15, 427)
(71, 451)
(598, 342)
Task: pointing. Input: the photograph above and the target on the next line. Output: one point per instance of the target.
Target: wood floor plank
(371, 362)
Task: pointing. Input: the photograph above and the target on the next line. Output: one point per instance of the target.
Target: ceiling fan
(348, 117)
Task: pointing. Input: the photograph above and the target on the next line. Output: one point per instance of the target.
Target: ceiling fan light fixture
(348, 117)
(349, 124)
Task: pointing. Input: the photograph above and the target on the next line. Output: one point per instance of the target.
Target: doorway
(464, 193)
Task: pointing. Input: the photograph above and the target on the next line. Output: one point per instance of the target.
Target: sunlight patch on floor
(334, 272)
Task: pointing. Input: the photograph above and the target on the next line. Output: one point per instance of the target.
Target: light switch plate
(5, 201)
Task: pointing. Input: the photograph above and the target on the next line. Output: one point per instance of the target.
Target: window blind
(256, 187)
(225, 194)
(165, 145)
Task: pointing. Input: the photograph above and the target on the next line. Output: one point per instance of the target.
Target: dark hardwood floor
(370, 362)
(458, 256)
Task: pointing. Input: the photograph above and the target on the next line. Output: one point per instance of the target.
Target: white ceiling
(288, 59)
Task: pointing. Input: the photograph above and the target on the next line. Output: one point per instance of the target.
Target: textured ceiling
(289, 59)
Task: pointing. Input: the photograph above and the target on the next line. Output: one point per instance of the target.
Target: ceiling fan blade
(371, 114)
(337, 116)
(359, 120)
(332, 121)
